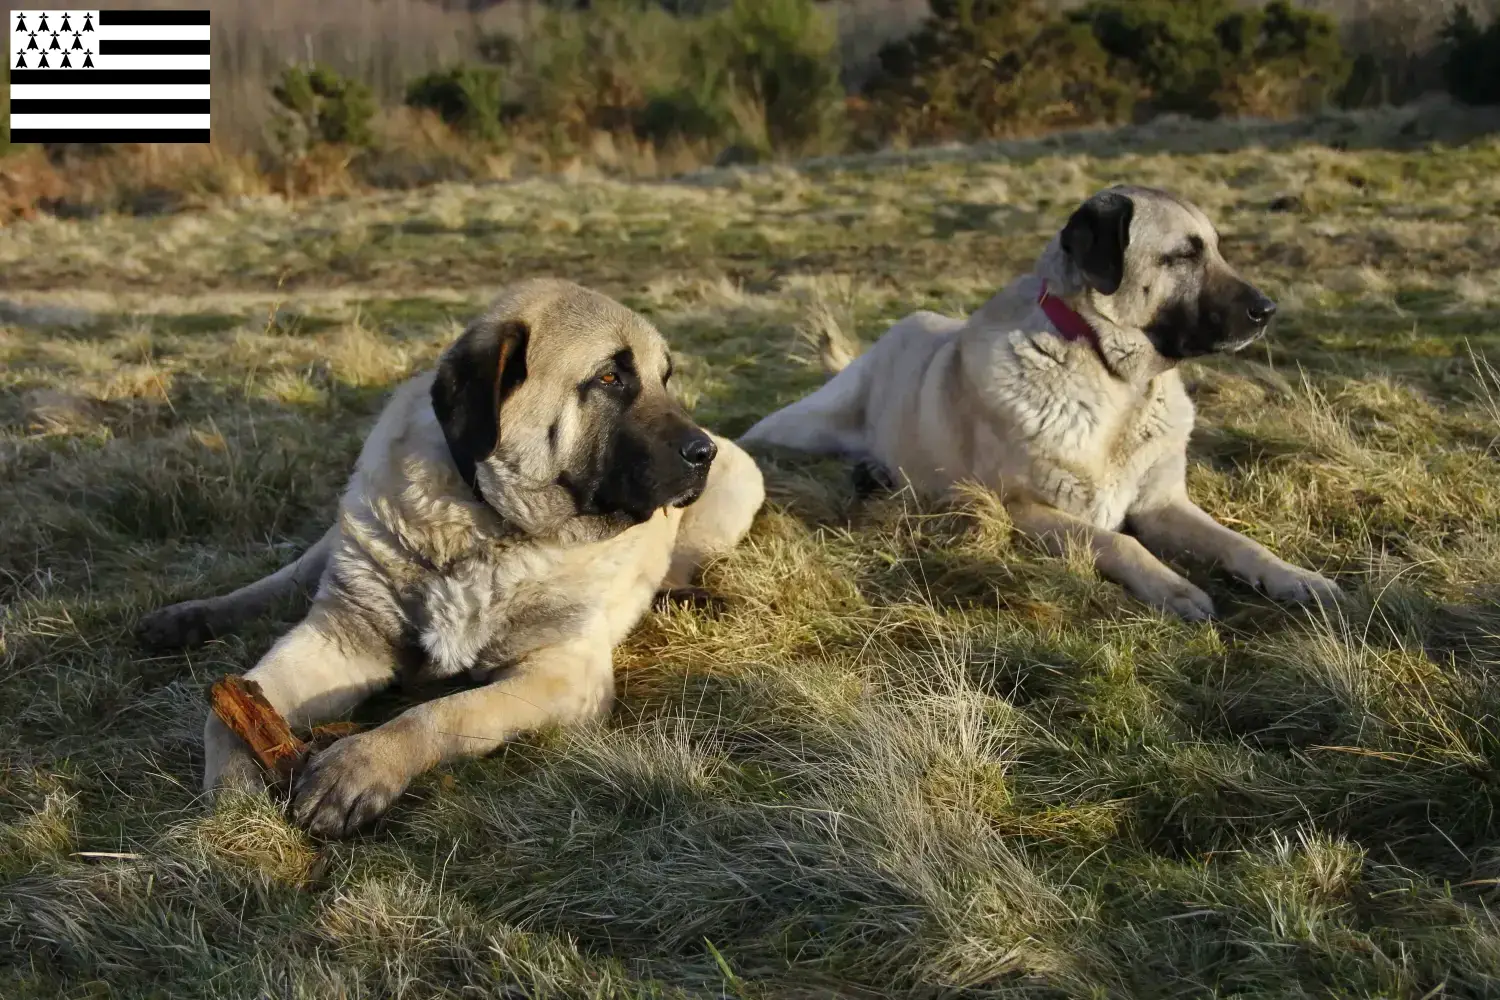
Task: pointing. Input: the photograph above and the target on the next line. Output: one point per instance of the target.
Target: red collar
(1070, 326)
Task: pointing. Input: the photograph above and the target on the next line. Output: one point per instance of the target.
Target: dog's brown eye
(609, 378)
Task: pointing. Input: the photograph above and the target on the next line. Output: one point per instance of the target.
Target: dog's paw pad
(347, 787)
(871, 478)
(1299, 586)
(1176, 596)
(1295, 585)
(176, 627)
(1191, 605)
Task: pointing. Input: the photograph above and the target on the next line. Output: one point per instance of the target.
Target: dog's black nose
(1261, 310)
(698, 450)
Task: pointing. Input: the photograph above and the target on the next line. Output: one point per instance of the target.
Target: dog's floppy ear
(1096, 237)
(474, 377)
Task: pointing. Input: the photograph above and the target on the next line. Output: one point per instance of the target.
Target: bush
(1211, 57)
(595, 70)
(1284, 60)
(761, 75)
(470, 99)
(981, 68)
(1171, 46)
(782, 55)
(319, 105)
(696, 110)
(1472, 69)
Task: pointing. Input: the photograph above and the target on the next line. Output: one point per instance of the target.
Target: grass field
(912, 757)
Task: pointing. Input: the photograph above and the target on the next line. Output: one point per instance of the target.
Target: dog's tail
(836, 348)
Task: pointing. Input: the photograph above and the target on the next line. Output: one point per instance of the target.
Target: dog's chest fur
(1072, 436)
(487, 610)
(484, 614)
(432, 571)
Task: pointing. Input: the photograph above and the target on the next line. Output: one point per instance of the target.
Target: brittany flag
(109, 76)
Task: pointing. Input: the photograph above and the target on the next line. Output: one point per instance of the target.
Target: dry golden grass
(913, 757)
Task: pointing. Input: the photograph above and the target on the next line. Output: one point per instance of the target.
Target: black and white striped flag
(109, 76)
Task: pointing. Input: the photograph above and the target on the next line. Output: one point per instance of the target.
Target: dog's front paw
(228, 763)
(349, 785)
(176, 626)
(1281, 581)
(870, 478)
(1171, 593)
(240, 773)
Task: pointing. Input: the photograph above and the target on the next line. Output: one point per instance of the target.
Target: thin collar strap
(1070, 326)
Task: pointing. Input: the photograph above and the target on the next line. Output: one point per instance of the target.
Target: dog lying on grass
(510, 517)
(1062, 393)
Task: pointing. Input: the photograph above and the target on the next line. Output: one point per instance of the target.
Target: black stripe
(153, 46)
(109, 135)
(111, 17)
(129, 106)
(65, 76)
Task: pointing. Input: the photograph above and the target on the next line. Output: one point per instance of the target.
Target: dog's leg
(192, 622)
(358, 778)
(318, 671)
(717, 521)
(830, 421)
(1180, 527)
(1118, 557)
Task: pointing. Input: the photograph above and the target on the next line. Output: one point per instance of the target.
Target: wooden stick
(242, 707)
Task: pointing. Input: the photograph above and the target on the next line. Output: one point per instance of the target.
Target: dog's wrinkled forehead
(1164, 226)
(574, 330)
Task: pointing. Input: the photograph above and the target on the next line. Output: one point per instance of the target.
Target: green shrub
(469, 98)
(695, 109)
(596, 69)
(324, 107)
(1171, 46)
(1210, 57)
(762, 75)
(782, 55)
(1472, 68)
(980, 68)
(1284, 60)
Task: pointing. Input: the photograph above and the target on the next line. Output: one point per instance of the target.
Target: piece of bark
(242, 707)
(322, 737)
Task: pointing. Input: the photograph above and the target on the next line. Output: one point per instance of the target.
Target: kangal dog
(509, 520)
(1062, 394)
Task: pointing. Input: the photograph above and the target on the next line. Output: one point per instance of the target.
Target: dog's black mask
(1227, 314)
(654, 456)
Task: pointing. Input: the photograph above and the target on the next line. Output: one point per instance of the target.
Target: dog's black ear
(1096, 237)
(474, 378)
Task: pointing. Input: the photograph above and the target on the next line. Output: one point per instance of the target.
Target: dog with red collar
(1062, 394)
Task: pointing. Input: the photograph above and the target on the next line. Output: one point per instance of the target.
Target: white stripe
(109, 92)
(108, 121)
(144, 32)
(143, 62)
